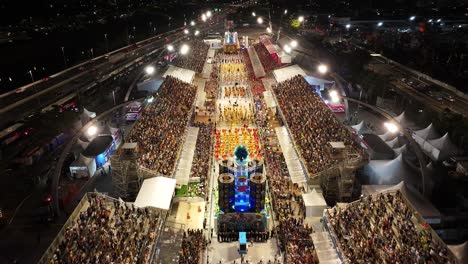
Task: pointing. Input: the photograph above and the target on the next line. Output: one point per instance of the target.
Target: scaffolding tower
(125, 171)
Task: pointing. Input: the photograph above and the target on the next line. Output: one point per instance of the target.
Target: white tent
(314, 203)
(388, 171)
(427, 133)
(156, 192)
(387, 136)
(180, 73)
(423, 206)
(184, 167)
(404, 122)
(394, 143)
(460, 252)
(361, 128)
(400, 150)
(440, 148)
(287, 73)
(83, 167)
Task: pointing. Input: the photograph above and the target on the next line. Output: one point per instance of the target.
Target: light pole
(92, 52)
(150, 27)
(64, 59)
(107, 43)
(32, 77)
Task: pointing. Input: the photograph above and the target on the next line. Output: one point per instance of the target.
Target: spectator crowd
(160, 128)
(202, 158)
(193, 242)
(311, 123)
(195, 58)
(383, 229)
(268, 62)
(108, 231)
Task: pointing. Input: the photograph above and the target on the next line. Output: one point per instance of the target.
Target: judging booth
(314, 204)
(156, 192)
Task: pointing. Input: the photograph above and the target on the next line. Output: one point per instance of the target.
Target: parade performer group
(234, 91)
(228, 139)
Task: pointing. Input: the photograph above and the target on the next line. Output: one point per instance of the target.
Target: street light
(379, 24)
(391, 127)
(285, 11)
(92, 130)
(348, 26)
(149, 70)
(293, 43)
(412, 18)
(170, 47)
(430, 21)
(268, 30)
(184, 49)
(253, 14)
(334, 96)
(287, 48)
(203, 17)
(260, 20)
(438, 20)
(301, 19)
(192, 23)
(186, 31)
(322, 68)
(208, 13)
(197, 32)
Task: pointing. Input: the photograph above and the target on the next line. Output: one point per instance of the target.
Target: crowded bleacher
(201, 159)
(311, 123)
(384, 229)
(107, 231)
(160, 129)
(195, 59)
(268, 63)
(193, 243)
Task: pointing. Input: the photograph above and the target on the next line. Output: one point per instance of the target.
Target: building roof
(99, 145)
(156, 192)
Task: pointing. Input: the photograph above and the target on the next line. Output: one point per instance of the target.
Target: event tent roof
(296, 171)
(389, 171)
(440, 148)
(361, 128)
(423, 206)
(270, 102)
(387, 136)
(404, 122)
(427, 133)
(460, 252)
(400, 150)
(156, 192)
(180, 73)
(287, 73)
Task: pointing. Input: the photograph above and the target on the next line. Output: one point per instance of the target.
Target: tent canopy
(287, 73)
(460, 252)
(361, 128)
(440, 148)
(180, 73)
(270, 102)
(427, 133)
(423, 206)
(98, 146)
(389, 171)
(156, 192)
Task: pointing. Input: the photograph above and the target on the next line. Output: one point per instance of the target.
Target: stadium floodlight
(192, 23)
(253, 14)
(287, 48)
(430, 20)
(268, 30)
(208, 14)
(412, 18)
(294, 43)
(391, 127)
(438, 20)
(301, 19)
(334, 96)
(260, 20)
(285, 11)
(149, 70)
(322, 68)
(203, 17)
(348, 26)
(197, 32)
(170, 47)
(92, 130)
(379, 24)
(186, 31)
(184, 49)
